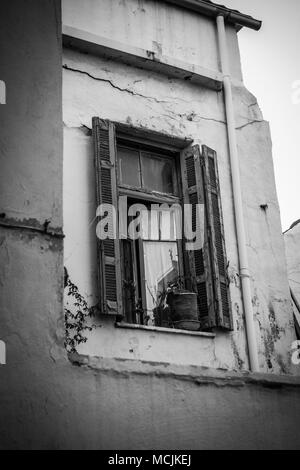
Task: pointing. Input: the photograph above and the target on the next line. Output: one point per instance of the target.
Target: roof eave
(213, 10)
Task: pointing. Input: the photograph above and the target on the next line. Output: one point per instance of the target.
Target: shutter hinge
(106, 164)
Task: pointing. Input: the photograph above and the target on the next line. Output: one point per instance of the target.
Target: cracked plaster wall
(100, 87)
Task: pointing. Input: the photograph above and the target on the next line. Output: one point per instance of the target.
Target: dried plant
(76, 318)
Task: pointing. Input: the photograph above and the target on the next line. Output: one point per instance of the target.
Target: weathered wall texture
(96, 86)
(31, 169)
(155, 26)
(31, 261)
(29, 157)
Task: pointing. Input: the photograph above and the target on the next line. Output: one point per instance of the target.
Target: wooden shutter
(108, 251)
(216, 237)
(198, 273)
(206, 269)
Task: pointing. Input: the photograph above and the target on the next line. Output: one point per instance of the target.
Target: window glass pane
(129, 170)
(157, 173)
(167, 225)
(161, 269)
(161, 222)
(150, 225)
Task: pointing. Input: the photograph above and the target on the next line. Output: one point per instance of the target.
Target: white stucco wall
(98, 87)
(153, 25)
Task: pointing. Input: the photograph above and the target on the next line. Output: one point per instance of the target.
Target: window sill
(159, 329)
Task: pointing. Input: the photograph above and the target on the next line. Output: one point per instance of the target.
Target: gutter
(213, 10)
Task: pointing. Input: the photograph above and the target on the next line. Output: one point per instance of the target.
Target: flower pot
(184, 310)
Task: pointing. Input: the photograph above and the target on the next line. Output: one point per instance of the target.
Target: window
(147, 257)
(146, 170)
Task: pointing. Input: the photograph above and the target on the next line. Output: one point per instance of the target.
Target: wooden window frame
(206, 181)
(138, 146)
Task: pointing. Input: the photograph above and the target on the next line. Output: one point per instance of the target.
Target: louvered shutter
(198, 273)
(216, 237)
(206, 268)
(108, 250)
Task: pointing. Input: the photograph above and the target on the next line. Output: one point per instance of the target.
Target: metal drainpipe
(237, 198)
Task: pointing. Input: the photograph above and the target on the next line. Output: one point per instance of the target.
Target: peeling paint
(239, 361)
(30, 225)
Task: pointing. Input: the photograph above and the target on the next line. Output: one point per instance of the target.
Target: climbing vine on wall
(77, 317)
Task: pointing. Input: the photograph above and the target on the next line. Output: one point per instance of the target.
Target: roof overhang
(208, 8)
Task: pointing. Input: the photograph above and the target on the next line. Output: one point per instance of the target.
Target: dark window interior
(150, 170)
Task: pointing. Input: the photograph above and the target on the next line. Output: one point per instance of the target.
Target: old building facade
(143, 85)
(105, 75)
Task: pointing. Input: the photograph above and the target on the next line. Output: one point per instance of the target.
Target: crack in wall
(30, 225)
(253, 104)
(250, 123)
(195, 118)
(212, 119)
(110, 82)
(189, 116)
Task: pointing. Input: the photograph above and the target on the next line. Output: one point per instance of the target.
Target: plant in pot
(162, 311)
(183, 308)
